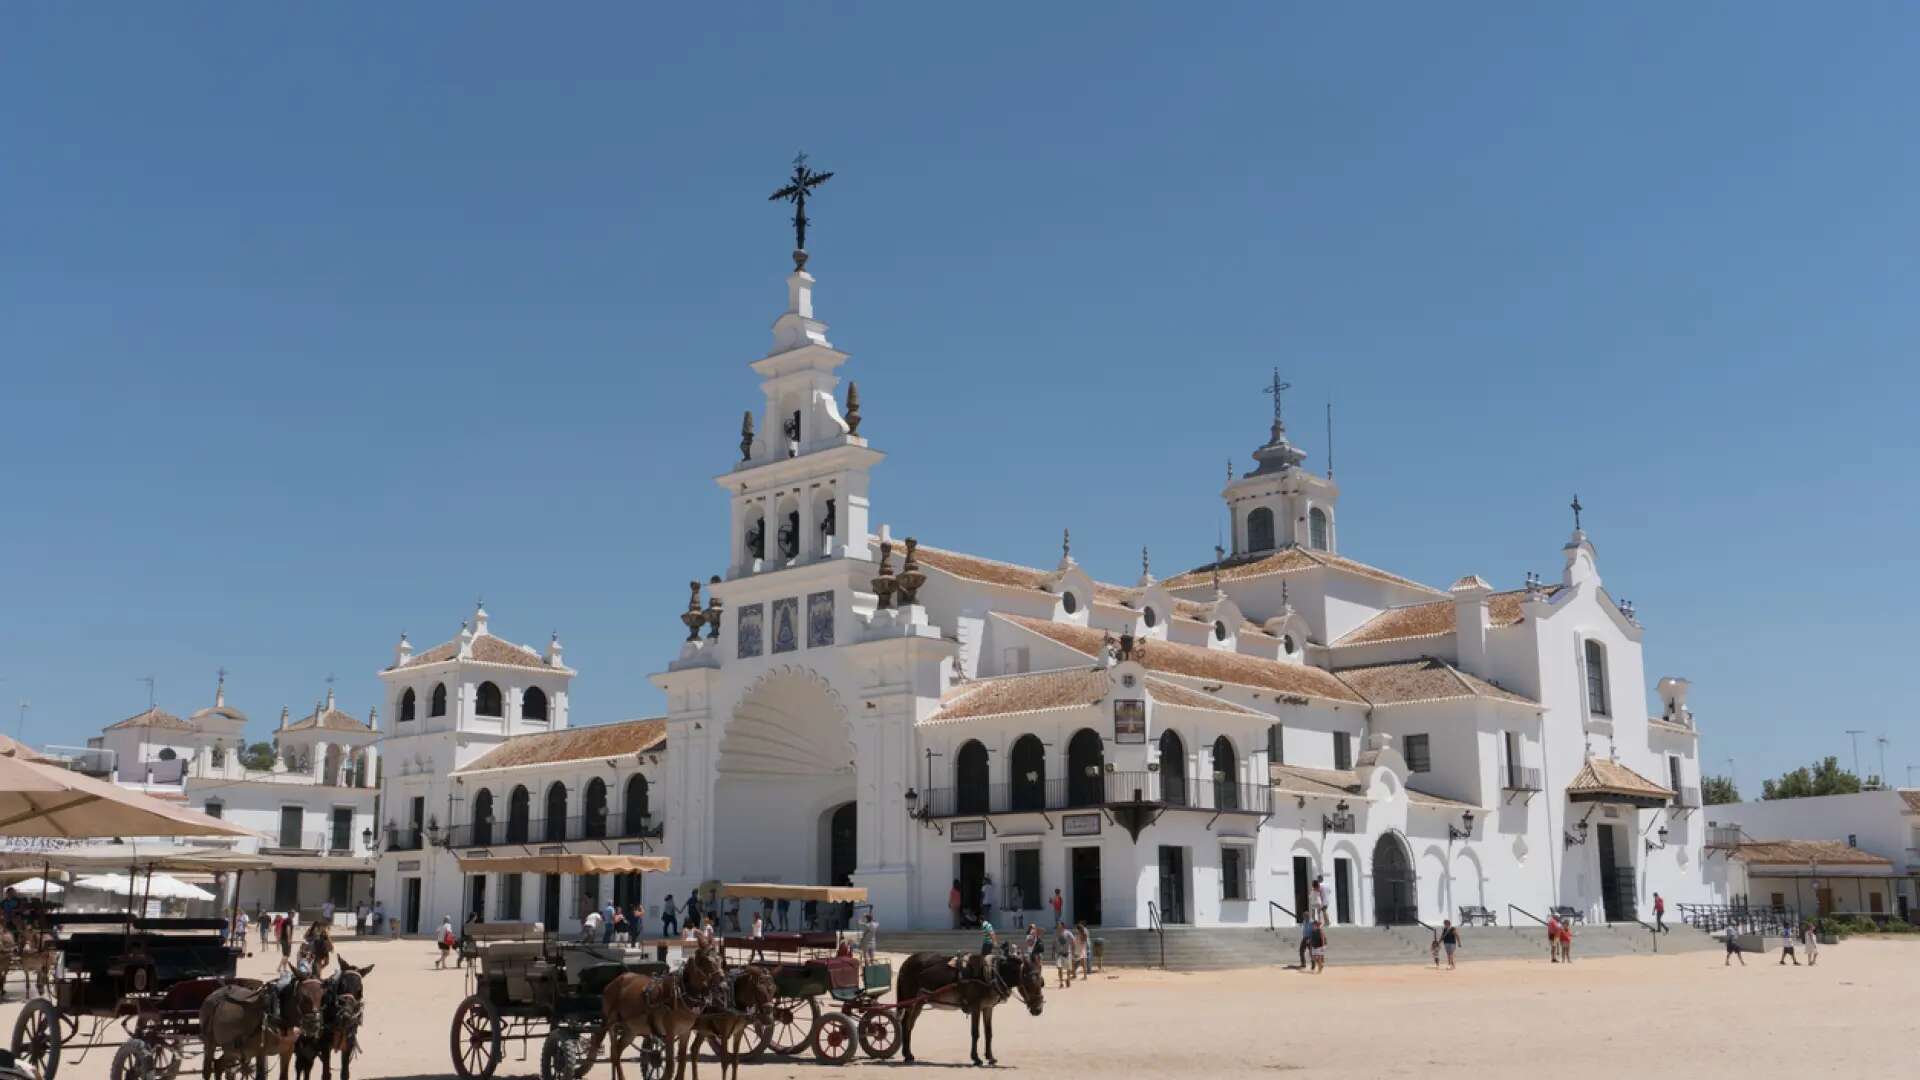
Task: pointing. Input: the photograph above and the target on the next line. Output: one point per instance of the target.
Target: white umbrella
(38, 887)
(154, 887)
(46, 800)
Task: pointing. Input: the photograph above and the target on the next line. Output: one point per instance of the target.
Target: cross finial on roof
(1066, 543)
(1219, 556)
(1277, 388)
(798, 187)
(220, 688)
(330, 680)
(1576, 511)
(1146, 567)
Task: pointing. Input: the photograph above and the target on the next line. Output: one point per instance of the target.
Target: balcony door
(341, 838)
(292, 820)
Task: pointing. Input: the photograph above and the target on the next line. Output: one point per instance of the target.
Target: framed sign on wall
(1130, 721)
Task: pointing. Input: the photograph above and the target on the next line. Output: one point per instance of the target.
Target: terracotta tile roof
(1600, 776)
(1802, 852)
(1013, 575)
(1433, 618)
(155, 717)
(1070, 688)
(1300, 780)
(328, 718)
(573, 744)
(1192, 661)
(223, 712)
(1287, 561)
(487, 649)
(1426, 679)
(1912, 798)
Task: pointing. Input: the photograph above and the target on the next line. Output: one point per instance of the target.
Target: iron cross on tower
(803, 181)
(1277, 388)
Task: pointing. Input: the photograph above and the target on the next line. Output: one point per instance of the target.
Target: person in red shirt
(1057, 904)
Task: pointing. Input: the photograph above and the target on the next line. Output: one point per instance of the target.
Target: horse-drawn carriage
(810, 965)
(144, 976)
(527, 985)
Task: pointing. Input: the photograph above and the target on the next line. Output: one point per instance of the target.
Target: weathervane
(803, 181)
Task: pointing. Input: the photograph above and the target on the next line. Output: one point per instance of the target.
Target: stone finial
(554, 650)
(1219, 556)
(693, 618)
(220, 690)
(1146, 569)
(883, 582)
(402, 652)
(479, 617)
(910, 578)
(714, 607)
(1066, 544)
(746, 435)
(853, 408)
(466, 641)
(285, 713)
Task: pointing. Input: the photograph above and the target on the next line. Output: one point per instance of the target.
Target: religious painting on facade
(1129, 721)
(1080, 825)
(786, 625)
(967, 831)
(752, 617)
(819, 619)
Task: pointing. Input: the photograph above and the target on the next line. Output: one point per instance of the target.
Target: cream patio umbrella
(39, 800)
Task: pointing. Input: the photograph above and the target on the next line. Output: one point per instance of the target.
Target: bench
(1470, 914)
(1567, 914)
(474, 935)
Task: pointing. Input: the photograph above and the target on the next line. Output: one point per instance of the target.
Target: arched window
(1317, 528)
(533, 704)
(594, 810)
(1219, 630)
(486, 701)
(554, 829)
(167, 754)
(408, 702)
(438, 707)
(483, 817)
(1069, 603)
(970, 779)
(635, 811)
(1152, 617)
(1260, 530)
(1086, 761)
(1226, 776)
(1173, 768)
(518, 810)
(1027, 782)
(1597, 703)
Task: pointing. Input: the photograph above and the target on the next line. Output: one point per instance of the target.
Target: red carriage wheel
(879, 1032)
(475, 1038)
(793, 1023)
(834, 1039)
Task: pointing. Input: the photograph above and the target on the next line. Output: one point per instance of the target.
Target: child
(445, 937)
(1434, 949)
(1319, 948)
(1063, 955)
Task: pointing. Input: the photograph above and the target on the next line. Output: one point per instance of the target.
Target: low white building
(1884, 823)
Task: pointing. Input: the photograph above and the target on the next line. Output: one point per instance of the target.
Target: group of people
(1313, 929)
(971, 912)
(1559, 938)
(1805, 933)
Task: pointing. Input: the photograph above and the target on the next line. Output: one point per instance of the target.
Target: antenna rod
(1855, 734)
(1329, 438)
(1882, 740)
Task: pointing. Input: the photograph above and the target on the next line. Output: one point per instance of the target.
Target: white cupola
(1280, 504)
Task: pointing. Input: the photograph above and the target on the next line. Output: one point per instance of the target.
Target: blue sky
(316, 324)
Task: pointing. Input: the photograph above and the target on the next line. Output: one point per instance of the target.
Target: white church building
(852, 707)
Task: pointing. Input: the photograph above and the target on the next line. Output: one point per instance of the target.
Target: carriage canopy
(832, 894)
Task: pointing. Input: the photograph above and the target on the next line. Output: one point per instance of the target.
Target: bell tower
(1280, 504)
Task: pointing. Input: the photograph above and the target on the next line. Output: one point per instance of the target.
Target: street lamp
(366, 838)
(1573, 840)
(1662, 845)
(1465, 831)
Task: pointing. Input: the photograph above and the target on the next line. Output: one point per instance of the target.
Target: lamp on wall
(1577, 837)
(366, 838)
(1465, 831)
(1662, 845)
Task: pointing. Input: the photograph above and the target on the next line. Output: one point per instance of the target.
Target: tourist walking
(1566, 940)
(636, 924)
(786, 905)
(265, 923)
(1659, 913)
(869, 938)
(1063, 940)
(733, 914)
(607, 915)
(360, 919)
(693, 909)
(1787, 932)
(1810, 937)
(1449, 939)
(1086, 948)
(240, 930)
(1306, 942)
(1733, 949)
(986, 898)
(669, 918)
(954, 902)
(1317, 899)
(1035, 942)
(1553, 939)
(757, 936)
(445, 940)
(283, 934)
(1319, 950)
(810, 911)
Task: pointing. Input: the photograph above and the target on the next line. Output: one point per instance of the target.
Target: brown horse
(667, 1007)
(751, 993)
(339, 1025)
(29, 950)
(252, 1022)
(973, 984)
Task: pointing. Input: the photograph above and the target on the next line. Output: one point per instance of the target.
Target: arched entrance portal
(1394, 901)
(782, 776)
(843, 839)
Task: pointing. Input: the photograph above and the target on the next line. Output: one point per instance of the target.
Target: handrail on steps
(1511, 908)
(1651, 930)
(1291, 914)
(1159, 928)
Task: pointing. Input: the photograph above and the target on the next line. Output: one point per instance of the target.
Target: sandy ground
(1857, 1014)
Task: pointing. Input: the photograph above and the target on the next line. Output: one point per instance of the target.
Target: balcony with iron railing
(557, 830)
(319, 842)
(1521, 778)
(1103, 789)
(1687, 798)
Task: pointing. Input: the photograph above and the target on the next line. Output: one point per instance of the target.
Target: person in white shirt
(590, 927)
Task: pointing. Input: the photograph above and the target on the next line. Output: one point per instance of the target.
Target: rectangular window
(1419, 758)
(214, 809)
(1342, 750)
(1233, 873)
(510, 897)
(1673, 771)
(292, 818)
(1597, 679)
(1276, 744)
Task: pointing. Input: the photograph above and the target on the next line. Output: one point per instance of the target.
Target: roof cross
(1277, 388)
(1576, 511)
(799, 185)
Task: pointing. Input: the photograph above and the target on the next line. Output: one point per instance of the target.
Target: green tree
(1825, 777)
(1717, 790)
(258, 756)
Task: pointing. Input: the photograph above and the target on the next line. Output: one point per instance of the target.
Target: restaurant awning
(107, 858)
(38, 800)
(832, 894)
(566, 863)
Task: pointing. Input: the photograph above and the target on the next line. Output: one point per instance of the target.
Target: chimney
(1470, 622)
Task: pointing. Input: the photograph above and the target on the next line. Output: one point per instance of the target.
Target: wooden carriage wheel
(879, 1032)
(134, 1061)
(834, 1039)
(37, 1039)
(794, 1019)
(475, 1038)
